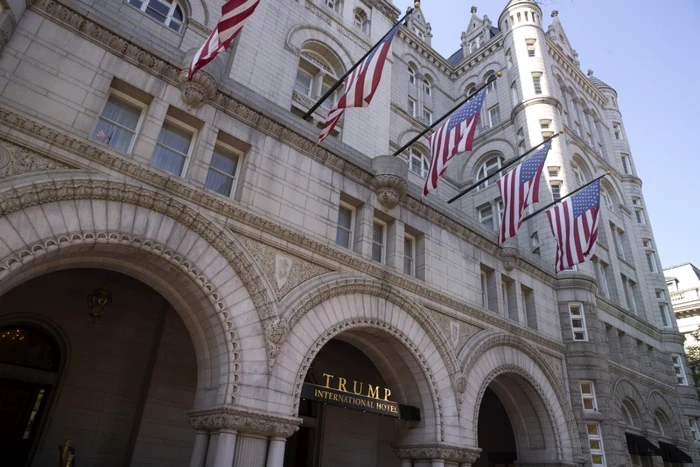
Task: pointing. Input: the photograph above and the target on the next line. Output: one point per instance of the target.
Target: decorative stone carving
(285, 272)
(390, 180)
(277, 330)
(243, 421)
(7, 27)
(454, 333)
(510, 257)
(196, 92)
(15, 160)
(444, 452)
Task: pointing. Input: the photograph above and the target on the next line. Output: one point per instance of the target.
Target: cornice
(627, 318)
(443, 452)
(228, 418)
(384, 7)
(425, 51)
(481, 54)
(664, 388)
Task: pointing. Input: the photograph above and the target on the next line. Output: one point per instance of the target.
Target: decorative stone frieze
(443, 452)
(15, 160)
(243, 421)
(384, 7)
(390, 180)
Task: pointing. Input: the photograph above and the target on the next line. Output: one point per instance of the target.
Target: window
(693, 425)
(529, 301)
(658, 425)
(617, 130)
(379, 242)
(335, 5)
(678, 369)
(427, 117)
(578, 175)
(651, 261)
(535, 243)
(545, 124)
(486, 216)
(607, 200)
(588, 396)
(174, 146)
(509, 59)
(471, 89)
(317, 72)
(556, 191)
(626, 167)
(537, 82)
(223, 168)
(427, 87)
(484, 289)
(514, 93)
(346, 222)
(119, 122)
(521, 148)
(647, 243)
(578, 322)
(601, 274)
(412, 107)
(641, 218)
(491, 166)
(595, 443)
(491, 80)
(553, 171)
(630, 290)
(418, 163)
(618, 237)
(419, 32)
(304, 82)
(167, 12)
(361, 21)
(411, 75)
(665, 318)
(409, 255)
(494, 116)
(661, 294)
(474, 44)
(530, 43)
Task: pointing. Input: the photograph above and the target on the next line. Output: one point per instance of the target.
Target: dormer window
(474, 44)
(419, 32)
(167, 12)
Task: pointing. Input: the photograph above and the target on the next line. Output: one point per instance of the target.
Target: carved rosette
(277, 329)
(510, 257)
(243, 421)
(198, 90)
(443, 452)
(390, 180)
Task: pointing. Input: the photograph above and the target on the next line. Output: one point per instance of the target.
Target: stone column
(406, 463)
(437, 454)
(239, 438)
(199, 451)
(275, 452)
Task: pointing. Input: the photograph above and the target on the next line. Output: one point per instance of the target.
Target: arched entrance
(496, 438)
(119, 388)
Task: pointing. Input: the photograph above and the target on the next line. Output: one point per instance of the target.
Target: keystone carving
(197, 91)
(390, 180)
(444, 452)
(243, 421)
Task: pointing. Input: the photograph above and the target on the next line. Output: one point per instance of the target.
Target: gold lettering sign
(351, 400)
(340, 384)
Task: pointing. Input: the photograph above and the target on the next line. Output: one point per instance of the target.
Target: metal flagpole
(509, 164)
(342, 79)
(422, 133)
(563, 198)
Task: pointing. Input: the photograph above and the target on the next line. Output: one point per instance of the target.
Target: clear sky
(649, 51)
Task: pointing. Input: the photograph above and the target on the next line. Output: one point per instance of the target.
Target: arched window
(607, 200)
(659, 421)
(427, 86)
(491, 80)
(471, 89)
(411, 74)
(630, 415)
(319, 69)
(418, 163)
(27, 347)
(167, 12)
(491, 165)
(578, 175)
(361, 21)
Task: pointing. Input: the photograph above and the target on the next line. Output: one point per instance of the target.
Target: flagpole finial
(417, 4)
(561, 132)
(499, 74)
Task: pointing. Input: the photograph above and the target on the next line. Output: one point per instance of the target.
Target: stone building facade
(683, 283)
(254, 291)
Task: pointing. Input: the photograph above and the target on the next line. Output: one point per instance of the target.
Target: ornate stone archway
(191, 261)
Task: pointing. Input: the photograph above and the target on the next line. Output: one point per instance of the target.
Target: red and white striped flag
(453, 137)
(234, 14)
(574, 223)
(361, 85)
(520, 188)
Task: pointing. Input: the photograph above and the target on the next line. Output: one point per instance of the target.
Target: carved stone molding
(390, 180)
(510, 257)
(243, 421)
(384, 7)
(15, 160)
(443, 452)
(200, 89)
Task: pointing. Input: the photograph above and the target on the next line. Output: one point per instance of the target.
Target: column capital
(438, 451)
(228, 418)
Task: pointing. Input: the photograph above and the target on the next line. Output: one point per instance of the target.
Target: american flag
(454, 136)
(574, 224)
(520, 188)
(361, 85)
(234, 14)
